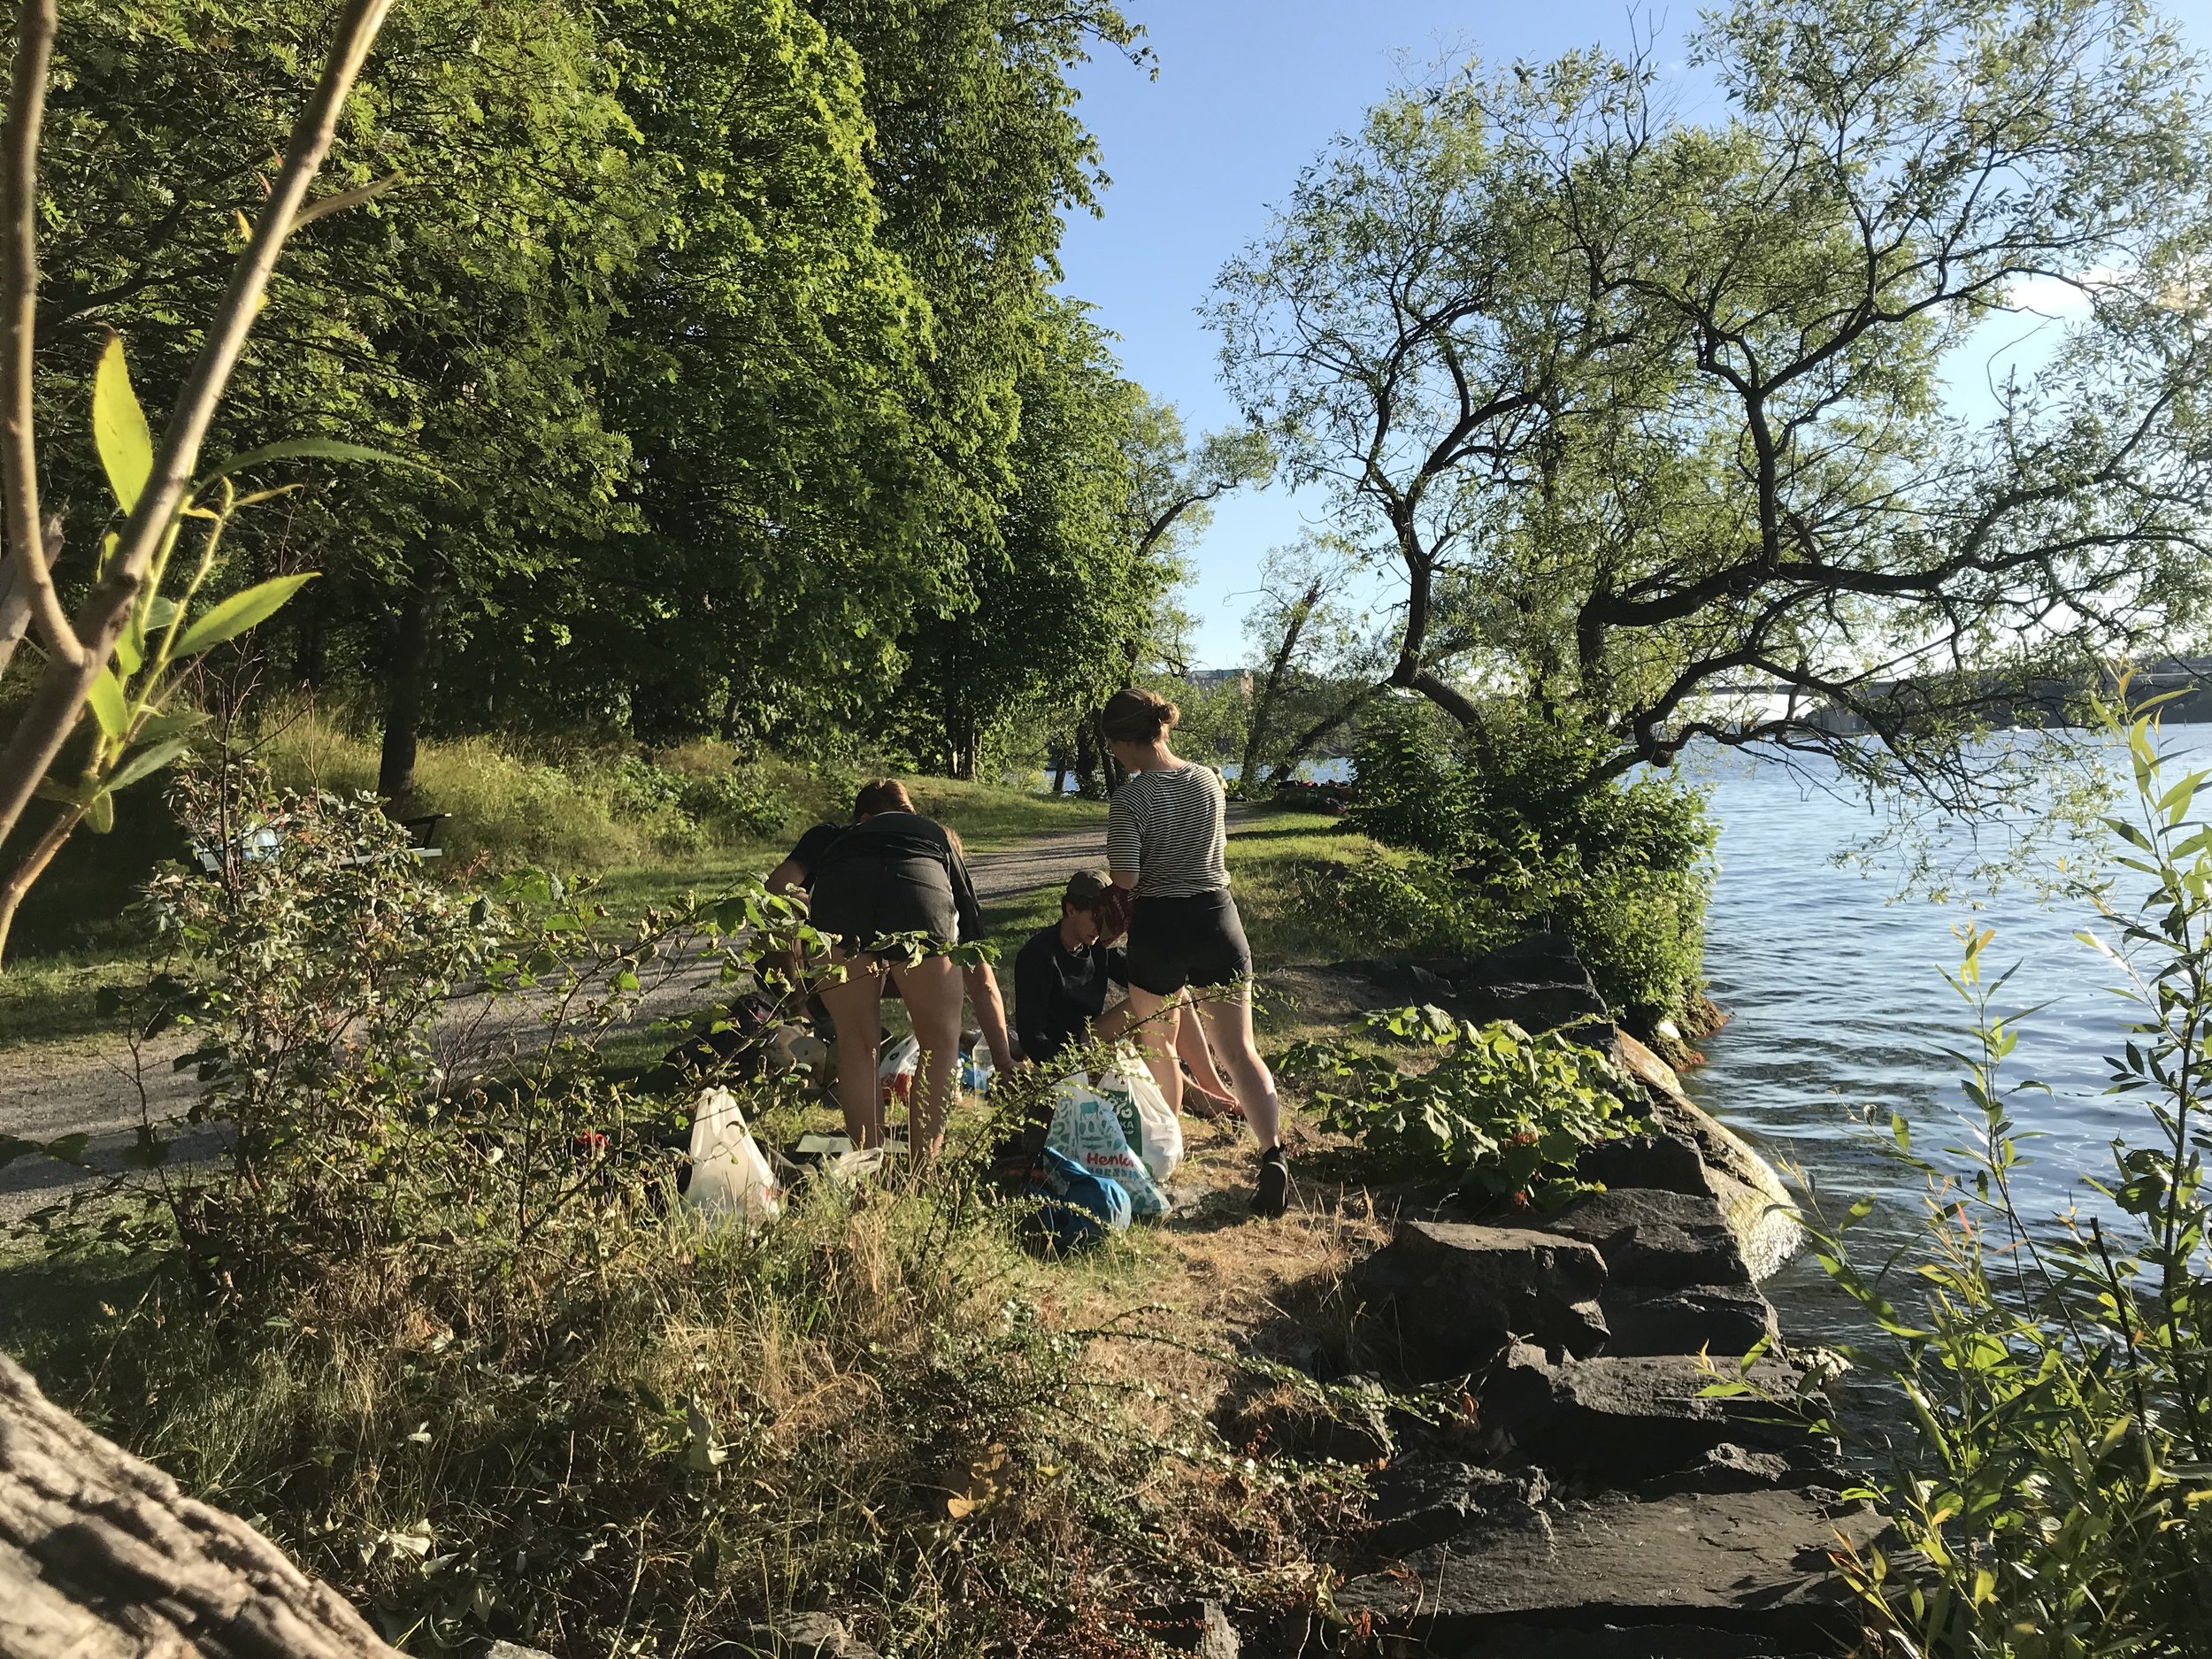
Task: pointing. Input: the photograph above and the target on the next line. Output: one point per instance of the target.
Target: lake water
(1841, 1015)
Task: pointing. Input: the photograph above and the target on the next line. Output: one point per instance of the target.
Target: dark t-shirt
(1058, 991)
(895, 872)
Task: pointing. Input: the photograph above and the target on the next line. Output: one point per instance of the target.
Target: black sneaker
(1270, 1192)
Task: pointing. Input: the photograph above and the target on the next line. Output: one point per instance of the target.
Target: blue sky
(1248, 92)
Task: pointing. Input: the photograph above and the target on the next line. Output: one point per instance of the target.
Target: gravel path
(99, 1087)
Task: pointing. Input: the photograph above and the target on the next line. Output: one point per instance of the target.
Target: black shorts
(1195, 940)
(861, 904)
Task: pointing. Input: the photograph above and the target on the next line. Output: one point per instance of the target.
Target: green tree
(1649, 412)
(460, 316)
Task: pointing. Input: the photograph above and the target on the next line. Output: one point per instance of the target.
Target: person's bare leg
(932, 991)
(1193, 1050)
(1151, 1020)
(855, 1004)
(1226, 1011)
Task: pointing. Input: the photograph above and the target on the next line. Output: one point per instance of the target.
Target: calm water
(1842, 1014)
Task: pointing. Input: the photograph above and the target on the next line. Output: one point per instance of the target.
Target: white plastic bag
(894, 1071)
(1087, 1127)
(729, 1174)
(1154, 1132)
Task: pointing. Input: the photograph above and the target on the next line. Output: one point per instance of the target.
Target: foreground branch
(60, 698)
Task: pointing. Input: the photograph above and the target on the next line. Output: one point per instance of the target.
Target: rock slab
(1656, 1239)
(1635, 1419)
(1460, 1294)
(1718, 1320)
(1745, 1563)
(1421, 1503)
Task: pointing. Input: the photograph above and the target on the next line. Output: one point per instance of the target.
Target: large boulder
(1752, 1197)
(1654, 1237)
(1636, 1418)
(1718, 1320)
(1641, 1641)
(1457, 1295)
(1742, 1563)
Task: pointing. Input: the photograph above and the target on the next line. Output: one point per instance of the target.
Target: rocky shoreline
(1593, 1499)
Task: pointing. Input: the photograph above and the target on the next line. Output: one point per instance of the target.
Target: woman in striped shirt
(1165, 839)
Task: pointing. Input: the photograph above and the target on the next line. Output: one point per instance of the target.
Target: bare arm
(990, 1013)
(787, 877)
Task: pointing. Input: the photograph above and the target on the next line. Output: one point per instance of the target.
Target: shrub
(1498, 1112)
(1624, 868)
(440, 1324)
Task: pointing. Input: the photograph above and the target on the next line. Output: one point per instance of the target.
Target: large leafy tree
(1651, 413)
(770, 368)
(458, 317)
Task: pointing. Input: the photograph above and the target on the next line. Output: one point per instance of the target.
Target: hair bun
(1135, 715)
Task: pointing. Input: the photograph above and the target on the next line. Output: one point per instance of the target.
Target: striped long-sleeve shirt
(1169, 827)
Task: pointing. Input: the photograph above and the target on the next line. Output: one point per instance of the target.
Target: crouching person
(893, 872)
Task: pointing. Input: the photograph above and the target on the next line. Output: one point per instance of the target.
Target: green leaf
(118, 428)
(130, 653)
(317, 449)
(240, 613)
(100, 816)
(169, 723)
(145, 761)
(77, 794)
(108, 706)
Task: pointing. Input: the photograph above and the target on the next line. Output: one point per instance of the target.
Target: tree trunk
(407, 688)
(1264, 705)
(21, 880)
(1062, 753)
(1288, 762)
(102, 1556)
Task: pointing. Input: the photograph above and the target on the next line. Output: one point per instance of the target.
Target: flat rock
(1667, 1162)
(1538, 984)
(1460, 1295)
(805, 1636)
(1729, 1468)
(1636, 1418)
(1717, 1319)
(1656, 1239)
(1745, 1563)
(1421, 1503)
(1644, 1642)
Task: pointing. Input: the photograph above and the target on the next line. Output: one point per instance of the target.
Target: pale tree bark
(102, 1556)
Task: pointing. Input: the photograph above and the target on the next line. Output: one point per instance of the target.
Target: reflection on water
(1842, 1016)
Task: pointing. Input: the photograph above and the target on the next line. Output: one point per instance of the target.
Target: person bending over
(1166, 838)
(894, 871)
(1061, 980)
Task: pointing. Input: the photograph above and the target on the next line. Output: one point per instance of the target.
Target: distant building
(1214, 677)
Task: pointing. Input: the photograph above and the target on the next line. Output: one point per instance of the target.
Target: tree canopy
(1650, 414)
(721, 332)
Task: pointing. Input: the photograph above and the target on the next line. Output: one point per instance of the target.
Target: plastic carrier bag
(730, 1175)
(1075, 1208)
(1087, 1127)
(894, 1071)
(1154, 1132)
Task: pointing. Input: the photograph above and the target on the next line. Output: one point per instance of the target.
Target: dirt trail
(99, 1087)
